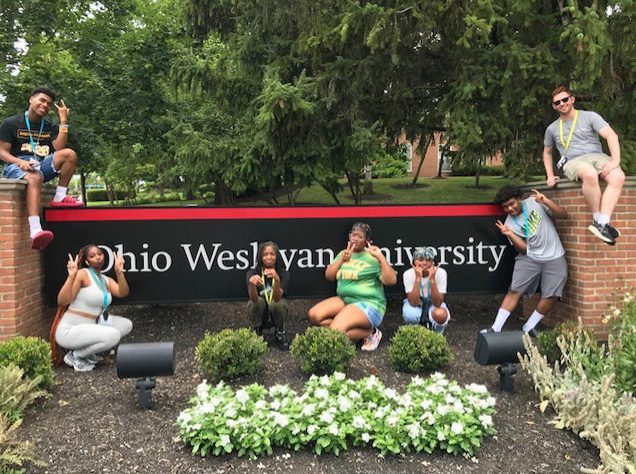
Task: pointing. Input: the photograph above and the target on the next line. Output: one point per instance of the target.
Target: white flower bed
(334, 413)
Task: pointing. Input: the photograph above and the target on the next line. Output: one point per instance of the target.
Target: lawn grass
(385, 191)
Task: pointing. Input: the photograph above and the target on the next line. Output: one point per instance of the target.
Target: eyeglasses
(565, 101)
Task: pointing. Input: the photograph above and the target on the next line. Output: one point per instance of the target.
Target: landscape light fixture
(145, 361)
(503, 349)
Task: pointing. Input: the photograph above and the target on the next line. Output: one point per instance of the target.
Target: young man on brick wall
(541, 258)
(34, 149)
(575, 134)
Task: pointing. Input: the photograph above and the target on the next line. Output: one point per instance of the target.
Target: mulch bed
(92, 423)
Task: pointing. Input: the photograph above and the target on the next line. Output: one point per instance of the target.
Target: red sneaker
(68, 201)
(41, 239)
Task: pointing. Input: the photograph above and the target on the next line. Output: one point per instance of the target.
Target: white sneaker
(372, 342)
(78, 363)
(94, 358)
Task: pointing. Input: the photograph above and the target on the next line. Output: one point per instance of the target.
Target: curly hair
(506, 193)
(45, 91)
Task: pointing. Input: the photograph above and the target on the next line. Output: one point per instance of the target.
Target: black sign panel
(201, 254)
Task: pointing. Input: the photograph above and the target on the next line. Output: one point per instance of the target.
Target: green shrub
(417, 349)
(322, 350)
(622, 340)
(14, 453)
(230, 353)
(555, 345)
(31, 354)
(17, 392)
(96, 195)
(547, 340)
(471, 170)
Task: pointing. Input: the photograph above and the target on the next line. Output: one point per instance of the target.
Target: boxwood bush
(547, 340)
(322, 350)
(230, 353)
(31, 354)
(416, 349)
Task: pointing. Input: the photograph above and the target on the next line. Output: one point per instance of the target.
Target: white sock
(532, 321)
(596, 216)
(60, 193)
(34, 225)
(500, 320)
(603, 219)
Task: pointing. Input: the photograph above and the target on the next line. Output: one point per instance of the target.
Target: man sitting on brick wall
(34, 149)
(541, 258)
(575, 134)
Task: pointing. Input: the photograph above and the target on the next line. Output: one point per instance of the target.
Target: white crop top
(90, 299)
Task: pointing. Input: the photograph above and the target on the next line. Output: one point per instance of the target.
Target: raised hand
(256, 280)
(504, 229)
(72, 265)
(62, 111)
(539, 197)
(374, 250)
(271, 273)
(346, 253)
(418, 270)
(431, 272)
(119, 263)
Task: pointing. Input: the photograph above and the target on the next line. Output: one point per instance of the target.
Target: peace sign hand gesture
(346, 253)
(504, 229)
(62, 111)
(374, 250)
(72, 266)
(119, 263)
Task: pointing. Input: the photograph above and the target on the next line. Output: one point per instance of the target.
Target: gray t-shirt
(584, 139)
(543, 240)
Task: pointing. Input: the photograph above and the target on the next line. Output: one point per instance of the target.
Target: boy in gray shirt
(541, 258)
(576, 135)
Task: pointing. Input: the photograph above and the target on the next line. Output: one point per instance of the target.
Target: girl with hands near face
(267, 285)
(361, 272)
(425, 287)
(83, 324)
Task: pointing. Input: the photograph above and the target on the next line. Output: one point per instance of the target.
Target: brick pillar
(22, 307)
(597, 272)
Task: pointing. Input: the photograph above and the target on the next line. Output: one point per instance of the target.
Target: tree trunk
(83, 186)
(421, 163)
(368, 179)
(354, 186)
(441, 162)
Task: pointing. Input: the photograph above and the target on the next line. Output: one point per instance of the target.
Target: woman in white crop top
(85, 327)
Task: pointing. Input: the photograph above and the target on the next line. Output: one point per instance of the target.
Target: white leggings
(84, 337)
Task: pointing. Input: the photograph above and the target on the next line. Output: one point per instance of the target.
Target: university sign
(175, 255)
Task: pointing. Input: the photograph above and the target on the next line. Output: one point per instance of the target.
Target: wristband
(64, 128)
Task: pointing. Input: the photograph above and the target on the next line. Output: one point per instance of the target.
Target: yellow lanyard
(269, 295)
(567, 145)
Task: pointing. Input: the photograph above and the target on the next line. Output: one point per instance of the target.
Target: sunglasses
(565, 100)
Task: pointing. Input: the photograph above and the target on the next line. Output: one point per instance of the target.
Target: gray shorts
(528, 273)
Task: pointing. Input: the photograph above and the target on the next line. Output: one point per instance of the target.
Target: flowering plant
(334, 412)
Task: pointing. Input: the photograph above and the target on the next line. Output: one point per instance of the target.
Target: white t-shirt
(441, 278)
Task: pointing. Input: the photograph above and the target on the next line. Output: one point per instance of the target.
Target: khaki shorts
(595, 160)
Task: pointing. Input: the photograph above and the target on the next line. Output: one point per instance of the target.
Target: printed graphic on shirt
(40, 150)
(352, 270)
(534, 219)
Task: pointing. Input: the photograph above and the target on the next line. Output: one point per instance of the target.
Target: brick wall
(22, 308)
(597, 272)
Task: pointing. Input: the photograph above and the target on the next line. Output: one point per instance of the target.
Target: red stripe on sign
(210, 213)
